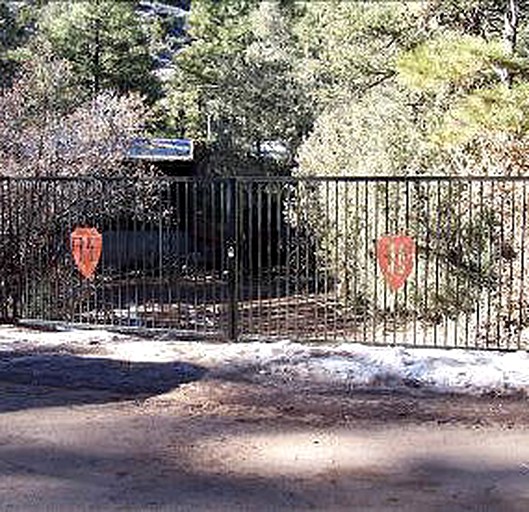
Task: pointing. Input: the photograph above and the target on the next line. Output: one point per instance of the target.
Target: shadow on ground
(43, 380)
(139, 483)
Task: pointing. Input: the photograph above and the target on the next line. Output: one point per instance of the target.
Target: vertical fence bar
(4, 258)
(14, 282)
(294, 210)
(397, 231)
(471, 231)
(215, 240)
(132, 305)
(338, 235)
(492, 265)
(98, 284)
(384, 284)
(287, 257)
(7, 294)
(484, 276)
(106, 288)
(521, 305)
(448, 242)
(356, 309)
(414, 238)
(182, 265)
(247, 315)
(328, 253)
(500, 290)
(419, 250)
(310, 257)
(365, 311)
(260, 277)
(469, 289)
(386, 233)
(201, 259)
(511, 255)
(223, 265)
(427, 251)
(14, 196)
(15, 257)
(458, 257)
(278, 263)
(346, 265)
(231, 214)
(375, 311)
(269, 282)
(205, 254)
(437, 262)
(149, 302)
(160, 289)
(193, 313)
(123, 287)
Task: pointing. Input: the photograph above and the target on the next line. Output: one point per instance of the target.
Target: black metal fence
(409, 261)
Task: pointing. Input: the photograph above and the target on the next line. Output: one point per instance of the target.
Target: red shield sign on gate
(86, 245)
(395, 256)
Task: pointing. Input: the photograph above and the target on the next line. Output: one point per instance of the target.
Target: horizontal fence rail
(422, 261)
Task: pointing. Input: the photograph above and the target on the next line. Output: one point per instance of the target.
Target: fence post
(10, 282)
(232, 259)
(4, 256)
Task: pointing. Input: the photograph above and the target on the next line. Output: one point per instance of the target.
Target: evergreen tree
(104, 42)
(236, 87)
(15, 28)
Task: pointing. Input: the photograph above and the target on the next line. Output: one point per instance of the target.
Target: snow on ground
(348, 364)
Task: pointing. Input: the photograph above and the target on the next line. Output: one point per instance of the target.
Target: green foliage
(373, 135)
(259, 71)
(472, 91)
(451, 60)
(484, 18)
(349, 47)
(499, 109)
(102, 40)
(218, 35)
(235, 86)
(14, 23)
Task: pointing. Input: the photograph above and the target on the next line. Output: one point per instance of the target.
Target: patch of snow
(59, 336)
(350, 364)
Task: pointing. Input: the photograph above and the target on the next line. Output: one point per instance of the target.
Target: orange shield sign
(86, 244)
(395, 256)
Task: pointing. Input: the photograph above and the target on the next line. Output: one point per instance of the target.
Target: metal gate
(409, 261)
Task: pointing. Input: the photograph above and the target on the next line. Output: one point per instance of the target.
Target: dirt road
(222, 441)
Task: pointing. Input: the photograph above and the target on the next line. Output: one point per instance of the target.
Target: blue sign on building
(161, 150)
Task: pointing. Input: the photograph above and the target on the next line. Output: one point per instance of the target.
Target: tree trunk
(510, 33)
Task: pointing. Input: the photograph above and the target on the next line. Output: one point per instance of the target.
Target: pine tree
(104, 42)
